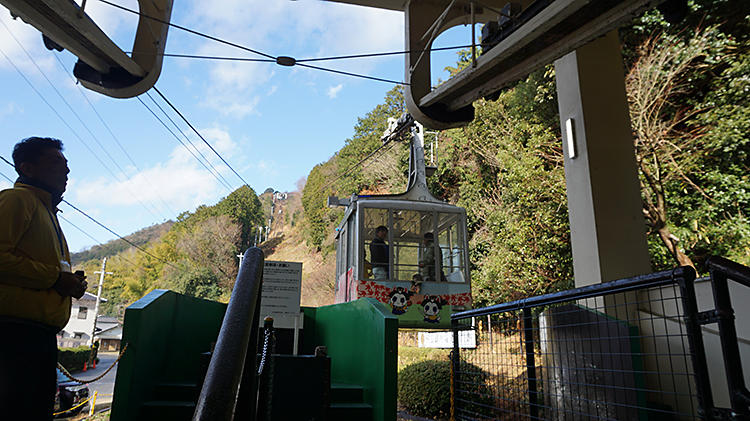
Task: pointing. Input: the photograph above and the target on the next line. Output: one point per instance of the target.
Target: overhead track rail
(102, 66)
(533, 34)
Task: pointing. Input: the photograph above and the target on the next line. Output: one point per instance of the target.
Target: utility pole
(99, 295)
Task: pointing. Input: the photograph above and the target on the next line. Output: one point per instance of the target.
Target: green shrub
(408, 355)
(424, 388)
(73, 358)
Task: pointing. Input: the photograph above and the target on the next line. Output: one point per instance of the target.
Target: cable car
(408, 250)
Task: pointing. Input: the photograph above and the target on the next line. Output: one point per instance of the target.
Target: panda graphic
(431, 305)
(399, 299)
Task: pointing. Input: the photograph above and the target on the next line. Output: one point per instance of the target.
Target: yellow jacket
(31, 248)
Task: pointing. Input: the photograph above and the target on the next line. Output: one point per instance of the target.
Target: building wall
(80, 323)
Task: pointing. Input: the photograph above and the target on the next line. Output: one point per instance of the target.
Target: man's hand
(71, 284)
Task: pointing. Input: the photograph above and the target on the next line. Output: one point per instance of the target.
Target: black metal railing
(723, 270)
(621, 350)
(230, 387)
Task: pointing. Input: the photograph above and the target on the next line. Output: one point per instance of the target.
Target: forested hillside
(110, 248)
(195, 256)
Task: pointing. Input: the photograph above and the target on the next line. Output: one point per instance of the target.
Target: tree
(689, 163)
(212, 245)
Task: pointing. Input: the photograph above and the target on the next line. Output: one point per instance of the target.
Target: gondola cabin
(408, 251)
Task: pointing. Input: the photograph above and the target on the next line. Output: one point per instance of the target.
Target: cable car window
(451, 245)
(375, 233)
(408, 241)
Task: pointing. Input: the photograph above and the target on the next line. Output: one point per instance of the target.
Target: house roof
(107, 319)
(114, 332)
(87, 296)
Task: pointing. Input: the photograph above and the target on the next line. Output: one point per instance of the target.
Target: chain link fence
(623, 350)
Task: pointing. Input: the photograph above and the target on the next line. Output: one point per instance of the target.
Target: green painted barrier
(165, 333)
(362, 341)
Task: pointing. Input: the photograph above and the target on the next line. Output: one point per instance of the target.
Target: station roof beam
(102, 66)
(535, 34)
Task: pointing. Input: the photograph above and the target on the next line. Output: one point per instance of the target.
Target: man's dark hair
(29, 149)
(428, 236)
(381, 228)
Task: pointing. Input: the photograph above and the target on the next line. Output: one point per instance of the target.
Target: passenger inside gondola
(379, 253)
(427, 263)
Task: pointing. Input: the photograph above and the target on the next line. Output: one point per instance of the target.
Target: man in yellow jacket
(36, 283)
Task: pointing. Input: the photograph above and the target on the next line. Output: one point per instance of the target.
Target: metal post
(696, 348)
(730, 349)
(528, 338)
(99, 296)
(473, 37)
(489, 330)
(455, 361)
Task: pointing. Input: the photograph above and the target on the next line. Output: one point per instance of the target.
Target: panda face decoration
(431, 306)
(399, 299)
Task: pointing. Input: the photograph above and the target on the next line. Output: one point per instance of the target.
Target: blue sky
(271, 123)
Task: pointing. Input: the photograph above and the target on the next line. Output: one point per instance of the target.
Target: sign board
(280, 297)
(466, 339)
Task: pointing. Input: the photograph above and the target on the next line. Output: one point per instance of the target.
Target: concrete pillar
(607, 227)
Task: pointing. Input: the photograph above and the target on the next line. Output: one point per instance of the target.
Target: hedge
(73, 358)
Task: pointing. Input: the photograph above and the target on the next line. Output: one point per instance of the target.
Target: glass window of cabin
(372, 219)
(341, 261)
(351, 256)
(407, 237)
(452, 247)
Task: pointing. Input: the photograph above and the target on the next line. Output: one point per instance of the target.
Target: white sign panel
(466, 339)
(282, 282)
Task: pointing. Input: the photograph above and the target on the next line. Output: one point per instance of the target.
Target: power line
(306, 60)
(85, 126)
(117, 141)
(218, 174)
(284, 61)
(119, 236)
(91, 237)
(341, 72)
(198, 133)
(183, 144)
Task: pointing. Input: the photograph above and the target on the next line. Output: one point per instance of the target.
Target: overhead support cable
(218, 178)
(195, 148)
(341, 72)
(307, 60)
(114, 137)
(198, 133)
(281, 60)
(102, 225)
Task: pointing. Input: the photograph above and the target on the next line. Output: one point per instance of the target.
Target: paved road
(106, 385)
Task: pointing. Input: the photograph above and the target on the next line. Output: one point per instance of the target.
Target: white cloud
(180, 181)
(10, 109)
(15, 35)
(333, 91)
